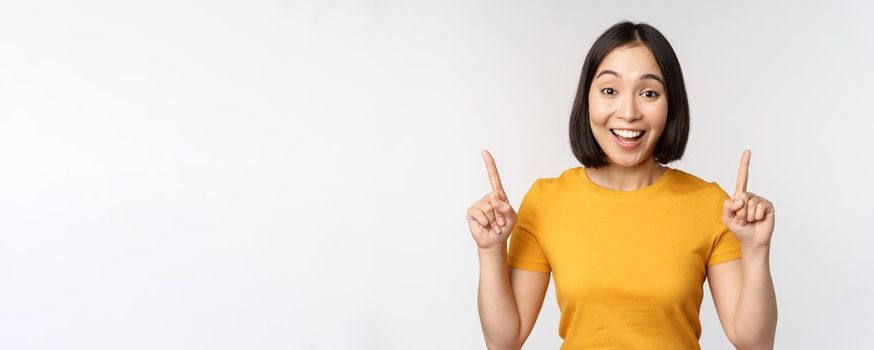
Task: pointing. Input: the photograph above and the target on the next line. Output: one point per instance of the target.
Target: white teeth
(628, 134)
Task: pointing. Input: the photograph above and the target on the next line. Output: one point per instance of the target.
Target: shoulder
(548, 189)
(554, 185)
(689, 184)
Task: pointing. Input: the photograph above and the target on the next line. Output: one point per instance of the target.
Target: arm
(746, 303)
(755, 321)
(743, 290)
(508, 299)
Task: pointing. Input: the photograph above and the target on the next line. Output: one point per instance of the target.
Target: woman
(629, 240)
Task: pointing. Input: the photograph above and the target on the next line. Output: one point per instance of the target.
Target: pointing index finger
(743, 173)
(494, 178)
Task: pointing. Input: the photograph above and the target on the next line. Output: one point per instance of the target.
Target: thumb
(502, 196)
(729, 207)
(504, 207)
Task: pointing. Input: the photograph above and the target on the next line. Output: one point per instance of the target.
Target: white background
(295, 175)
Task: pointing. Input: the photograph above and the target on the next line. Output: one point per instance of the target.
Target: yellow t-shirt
(628, 266)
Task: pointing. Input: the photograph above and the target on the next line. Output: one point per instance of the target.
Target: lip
(626, 145)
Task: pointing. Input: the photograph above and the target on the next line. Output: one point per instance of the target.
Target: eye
(650, 94)
(608, 91)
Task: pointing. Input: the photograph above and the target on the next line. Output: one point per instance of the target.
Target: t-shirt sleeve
(725, 245)
(525, 251)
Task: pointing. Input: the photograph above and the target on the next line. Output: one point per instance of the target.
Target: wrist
(497, 249)
(754, 250)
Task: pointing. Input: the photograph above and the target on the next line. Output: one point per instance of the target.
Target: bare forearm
(755, 320)
(498, 312)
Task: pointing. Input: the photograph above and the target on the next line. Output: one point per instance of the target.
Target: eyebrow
(645, 76)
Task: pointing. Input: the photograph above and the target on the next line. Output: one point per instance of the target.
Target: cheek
(657, 113)
(596, 120)
(598, 113)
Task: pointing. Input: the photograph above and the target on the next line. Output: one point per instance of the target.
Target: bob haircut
(672, 142)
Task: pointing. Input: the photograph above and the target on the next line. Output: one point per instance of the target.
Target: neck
(622, 178)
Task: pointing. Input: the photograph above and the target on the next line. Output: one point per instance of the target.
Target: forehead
(630, 61)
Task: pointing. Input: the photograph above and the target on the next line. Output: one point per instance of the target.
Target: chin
(627, 161)
(626, 164)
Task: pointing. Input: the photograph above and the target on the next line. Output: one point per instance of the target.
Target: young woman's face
(627, 97)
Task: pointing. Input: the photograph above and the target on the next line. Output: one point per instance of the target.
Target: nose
(628, 110)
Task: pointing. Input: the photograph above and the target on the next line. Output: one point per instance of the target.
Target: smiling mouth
(630, 135)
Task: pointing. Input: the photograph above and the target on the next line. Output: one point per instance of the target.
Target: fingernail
(737, 201)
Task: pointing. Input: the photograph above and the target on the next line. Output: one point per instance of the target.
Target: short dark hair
(672, 142)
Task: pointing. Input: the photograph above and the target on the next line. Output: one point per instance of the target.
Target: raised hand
(491, 219)
(749, 216)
